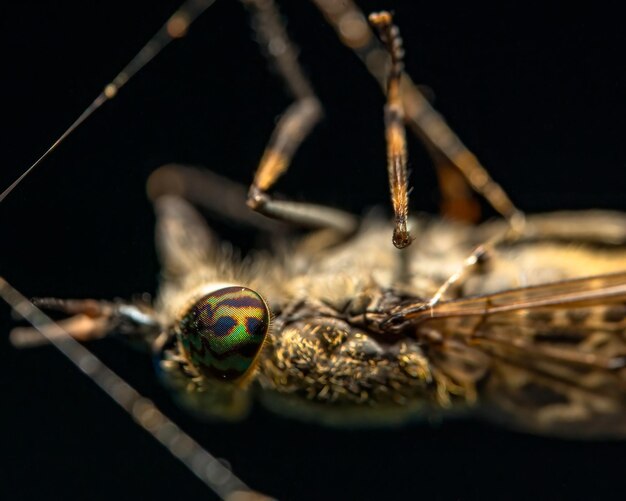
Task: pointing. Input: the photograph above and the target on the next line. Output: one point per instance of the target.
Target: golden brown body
(329, 359)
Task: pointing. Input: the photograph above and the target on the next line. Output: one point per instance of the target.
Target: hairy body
(330, 356)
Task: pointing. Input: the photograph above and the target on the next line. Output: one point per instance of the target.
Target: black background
(537, 93)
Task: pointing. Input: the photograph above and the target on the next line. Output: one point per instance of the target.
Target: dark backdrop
(536, 92)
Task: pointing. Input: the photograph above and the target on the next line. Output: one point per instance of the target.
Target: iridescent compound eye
(223, 332)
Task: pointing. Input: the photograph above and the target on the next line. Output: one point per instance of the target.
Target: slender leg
(481, 253)
(421, 117)
(394, 127)
(444, 145)
(142, 410)
(92, 319)
(185, 245)
(184, 241)
(293, 127)
(458, 201)
(219, 195)
(227, 199)
(602, 227)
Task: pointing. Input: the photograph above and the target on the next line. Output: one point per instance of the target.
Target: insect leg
(184, 241)
(143, 411)
(93, 319)
(443, 144)
(219, 195)
(394, 128)
(292, 128)
(185, 245)
(591, 226)
(175, 27)
(481, 252)
(602, 227)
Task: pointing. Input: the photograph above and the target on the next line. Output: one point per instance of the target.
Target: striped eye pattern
(223, 332)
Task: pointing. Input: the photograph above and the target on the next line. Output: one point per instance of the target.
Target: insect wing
(557, 354)
(595, 290)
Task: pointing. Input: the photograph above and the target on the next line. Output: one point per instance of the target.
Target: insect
(299, 430)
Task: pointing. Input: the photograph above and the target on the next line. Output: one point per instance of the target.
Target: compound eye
(223, 332)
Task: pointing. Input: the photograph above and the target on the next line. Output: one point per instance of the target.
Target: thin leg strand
(482, 252)
(469, 263)
(91, 319)
(143, 411)
(175, 27)
(428, 124)
(221, 196)
(394, 128)
(353, 30)
(293, 127)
